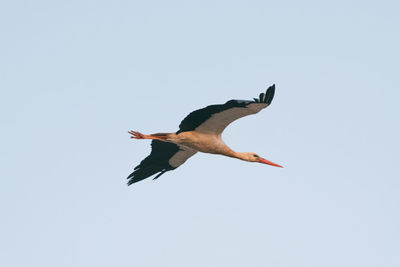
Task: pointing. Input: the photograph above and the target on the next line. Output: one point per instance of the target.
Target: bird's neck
(234, 154)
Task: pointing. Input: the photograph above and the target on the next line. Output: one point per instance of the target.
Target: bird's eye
(256, 156)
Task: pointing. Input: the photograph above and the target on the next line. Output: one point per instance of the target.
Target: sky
(75, 76)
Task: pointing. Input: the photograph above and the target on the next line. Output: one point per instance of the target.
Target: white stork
(200, 131)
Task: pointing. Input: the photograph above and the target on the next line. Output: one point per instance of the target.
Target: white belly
(202, 142)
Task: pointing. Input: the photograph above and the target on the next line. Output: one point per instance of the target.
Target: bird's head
(253, 157)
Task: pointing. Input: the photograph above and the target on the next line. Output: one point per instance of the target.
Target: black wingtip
(131, 181)
(267, 97)
(158, 175)
(269, 94)
(261, 97)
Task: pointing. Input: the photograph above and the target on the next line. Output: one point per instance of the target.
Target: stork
(200, 131)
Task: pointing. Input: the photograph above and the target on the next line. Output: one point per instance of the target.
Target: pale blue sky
(75, 76)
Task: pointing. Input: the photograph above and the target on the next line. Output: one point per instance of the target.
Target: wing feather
(215, 118)
(159, 160)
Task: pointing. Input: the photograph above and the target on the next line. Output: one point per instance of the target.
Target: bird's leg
(137, 135)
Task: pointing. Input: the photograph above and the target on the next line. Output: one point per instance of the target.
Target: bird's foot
(137, 135)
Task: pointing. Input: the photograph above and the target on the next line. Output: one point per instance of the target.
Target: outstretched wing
(164, 157)
(214, 119)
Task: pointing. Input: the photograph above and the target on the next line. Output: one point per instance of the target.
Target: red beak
(262, 160)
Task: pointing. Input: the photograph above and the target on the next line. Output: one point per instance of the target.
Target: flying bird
(200, 131)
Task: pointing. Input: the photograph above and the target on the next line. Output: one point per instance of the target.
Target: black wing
(164, 157)
(215, 118)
